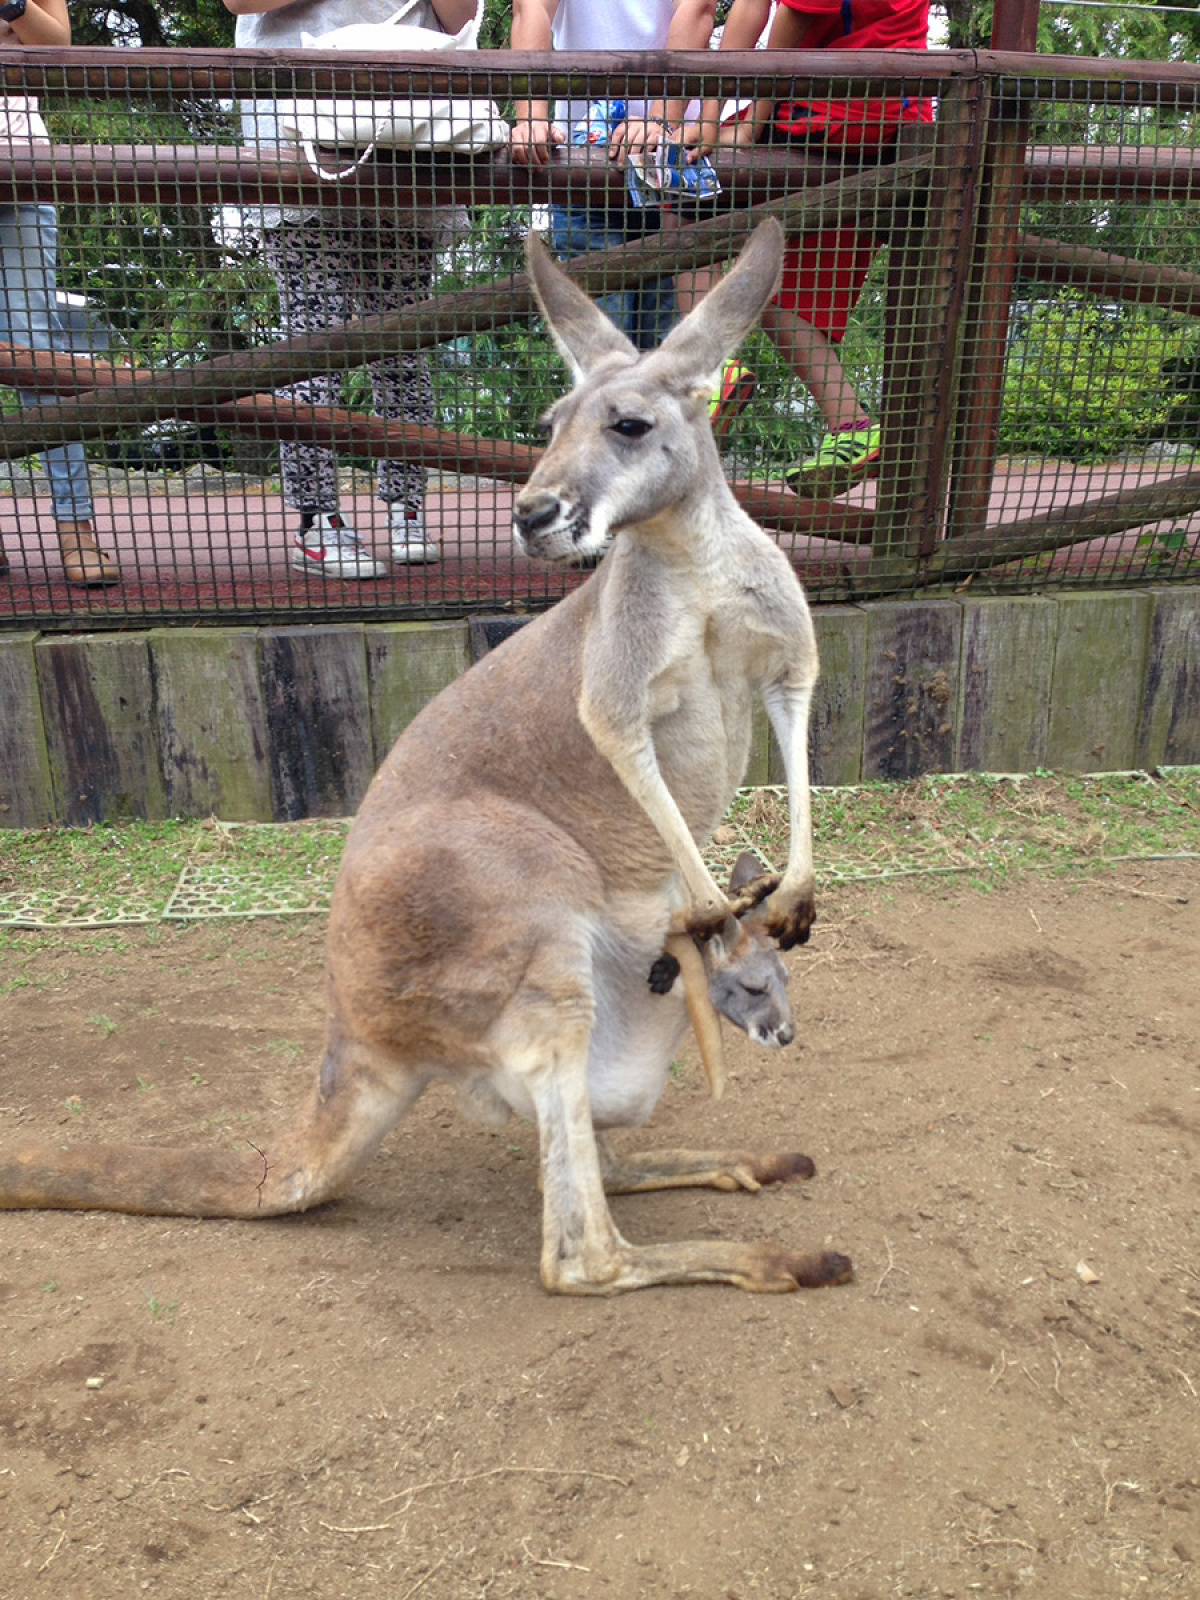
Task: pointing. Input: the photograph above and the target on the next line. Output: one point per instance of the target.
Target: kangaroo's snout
(547, 525)
(533, 512)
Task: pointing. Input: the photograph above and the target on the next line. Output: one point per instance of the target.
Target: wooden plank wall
(283, 723)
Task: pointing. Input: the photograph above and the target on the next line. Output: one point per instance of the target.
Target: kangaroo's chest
(701, 706)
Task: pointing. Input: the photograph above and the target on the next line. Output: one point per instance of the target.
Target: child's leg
(395, 267)
(813, 357)
(822, 278)
(738, 382)
(396, 270)
(308, 261)
(304, 259)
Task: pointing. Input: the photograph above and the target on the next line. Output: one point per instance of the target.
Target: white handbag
(463, 127)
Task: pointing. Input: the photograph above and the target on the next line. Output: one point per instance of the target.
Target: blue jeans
(645, 314)
(29, 317)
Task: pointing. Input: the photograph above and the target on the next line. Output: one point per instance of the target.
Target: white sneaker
(411, 543)
(328, 546)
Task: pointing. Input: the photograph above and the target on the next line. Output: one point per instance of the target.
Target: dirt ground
(1002, 1095)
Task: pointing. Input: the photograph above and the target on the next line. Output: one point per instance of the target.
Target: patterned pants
(329, 273)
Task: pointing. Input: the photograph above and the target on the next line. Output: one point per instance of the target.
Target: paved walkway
(221, 548)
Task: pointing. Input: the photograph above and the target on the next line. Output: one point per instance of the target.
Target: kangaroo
(530, 842)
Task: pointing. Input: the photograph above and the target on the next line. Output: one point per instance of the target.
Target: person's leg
(822, 279)
(575, 231)
(29, 317)
(308, 261)
(396, 270)
(738, 382)
(653, 303)
(312, 296)
(813, 357)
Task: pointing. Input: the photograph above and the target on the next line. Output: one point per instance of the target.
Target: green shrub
(1086, 379)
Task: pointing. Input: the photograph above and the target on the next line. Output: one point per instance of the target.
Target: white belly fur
(636, 1034)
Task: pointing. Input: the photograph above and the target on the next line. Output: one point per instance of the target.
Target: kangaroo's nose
(534, 511)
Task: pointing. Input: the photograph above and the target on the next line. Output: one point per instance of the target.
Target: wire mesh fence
(276, 394)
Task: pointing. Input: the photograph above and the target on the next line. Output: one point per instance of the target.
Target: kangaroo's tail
(349, 1114)
(247, 1182)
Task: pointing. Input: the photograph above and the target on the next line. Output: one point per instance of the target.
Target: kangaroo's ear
(583, 334)
(715, 329)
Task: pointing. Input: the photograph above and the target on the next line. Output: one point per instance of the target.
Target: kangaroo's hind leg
(543, 1042)
(362, 1091)
(643, 1171)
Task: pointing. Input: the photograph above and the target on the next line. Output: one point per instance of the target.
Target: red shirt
(858, 25)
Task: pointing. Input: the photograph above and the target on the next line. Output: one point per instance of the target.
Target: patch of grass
(248, 869)
(979, 826)
(148, 872)
(289, 1049)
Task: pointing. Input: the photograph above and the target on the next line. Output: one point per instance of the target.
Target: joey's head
(747, 980)
(631, 442)
(747, 983)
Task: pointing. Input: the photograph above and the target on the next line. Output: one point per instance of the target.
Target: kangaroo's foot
(698, 1169)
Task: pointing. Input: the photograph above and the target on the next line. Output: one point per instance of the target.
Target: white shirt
(608, 25)
(20, 122)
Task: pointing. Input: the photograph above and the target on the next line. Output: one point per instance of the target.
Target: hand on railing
(710, 133)
(533, 141)
(636, 135)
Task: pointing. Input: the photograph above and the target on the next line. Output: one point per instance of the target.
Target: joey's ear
(715, 329)
(730, 943)
(582, 333)
(746, 868)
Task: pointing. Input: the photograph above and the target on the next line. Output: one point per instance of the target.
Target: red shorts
(823, 275)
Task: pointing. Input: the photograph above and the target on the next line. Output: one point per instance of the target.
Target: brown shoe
(83, 561)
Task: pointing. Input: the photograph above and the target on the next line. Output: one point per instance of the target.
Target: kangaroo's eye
(631, 427)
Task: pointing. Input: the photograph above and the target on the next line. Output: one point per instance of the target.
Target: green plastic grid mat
(155, 872)
(184, 871)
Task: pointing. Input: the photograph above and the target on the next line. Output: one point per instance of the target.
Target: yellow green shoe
(842, 459)
(738, 384)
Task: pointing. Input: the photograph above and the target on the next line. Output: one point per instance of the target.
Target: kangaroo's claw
(754, 893)
(790, 924)
(663, 974)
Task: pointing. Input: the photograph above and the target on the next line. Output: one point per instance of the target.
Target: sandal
(84, 563)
